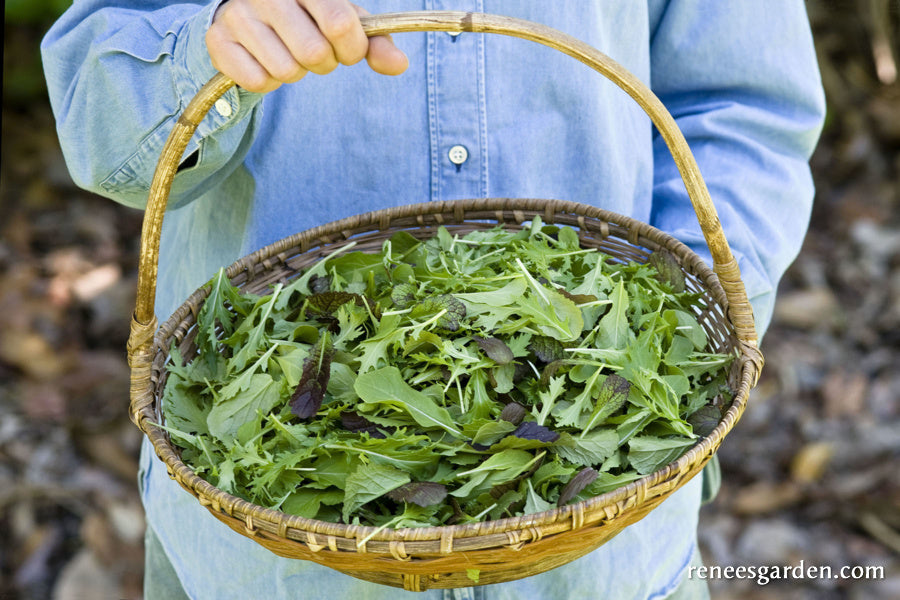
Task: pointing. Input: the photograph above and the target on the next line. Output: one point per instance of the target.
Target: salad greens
(445, 381)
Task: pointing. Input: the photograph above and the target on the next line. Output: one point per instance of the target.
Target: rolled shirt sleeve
(119, 76)
(742, 82)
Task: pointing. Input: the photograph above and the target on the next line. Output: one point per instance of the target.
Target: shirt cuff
(195, 68)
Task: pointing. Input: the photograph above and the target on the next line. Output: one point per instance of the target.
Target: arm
(742, 82)
(119, 74)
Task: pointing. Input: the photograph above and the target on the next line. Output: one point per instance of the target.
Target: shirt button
(453, 34)
(223, 107)
(458, 155)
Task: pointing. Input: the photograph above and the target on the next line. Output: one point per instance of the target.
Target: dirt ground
(811, 473)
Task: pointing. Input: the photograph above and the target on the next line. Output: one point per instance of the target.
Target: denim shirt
(740, 77)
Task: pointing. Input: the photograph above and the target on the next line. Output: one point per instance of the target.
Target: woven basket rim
(381, 220)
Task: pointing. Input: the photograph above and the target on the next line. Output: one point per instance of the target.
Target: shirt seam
(433, 133)
(482, 109)
(674, 584)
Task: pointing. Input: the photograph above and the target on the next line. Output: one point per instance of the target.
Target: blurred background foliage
(811, 473)
(26, 21)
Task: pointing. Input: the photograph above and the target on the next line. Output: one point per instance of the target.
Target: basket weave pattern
(438, 557)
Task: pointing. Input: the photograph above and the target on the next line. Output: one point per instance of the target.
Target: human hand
(261, 44)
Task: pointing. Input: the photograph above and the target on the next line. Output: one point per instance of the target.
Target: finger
(264, 45)
(383, 56)
(234, 60)
(386, 58)
(338, 22)
(301, 37)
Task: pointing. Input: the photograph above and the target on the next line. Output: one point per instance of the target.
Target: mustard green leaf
(370, 481)
(386, 386)
(648, 454)
(226, 416)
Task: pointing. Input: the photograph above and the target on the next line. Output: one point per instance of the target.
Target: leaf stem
(537, 287)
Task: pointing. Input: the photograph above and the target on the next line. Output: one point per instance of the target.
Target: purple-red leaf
(550, 370)
(577, 298)
(705, 420)
(495, 349)
(529, 430)
(403, 294)
(668, 270)
(355, 422)
(513, 412)
(546, 349)
(327, 303)
(423, 493)
(310, 391)
(582, 479)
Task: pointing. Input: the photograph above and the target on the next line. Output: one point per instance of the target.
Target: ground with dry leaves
(812, 472)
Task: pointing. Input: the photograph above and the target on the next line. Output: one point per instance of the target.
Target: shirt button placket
(456, 109)
(223, 107)
(458, 155)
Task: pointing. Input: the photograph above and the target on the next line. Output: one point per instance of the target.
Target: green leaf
(313, 274)
(687, 325)
(588, 450)
(648, 454)
(370, 481)
(332, 470)
(219, 309)
(356, 267)
(227, 415)
(377, 350)
(612, 396)
(340, 384)
(557, 316)
(534, 503)
(568, 238)
(492, 431)
(386, 386)
(403, 243)
(633, 424)
(508, 462)
(454, 310)
(505, 296)
(503, 378)
(607, 481)
(552, 471)
(183, 403)
(306, 503)
(614, 330)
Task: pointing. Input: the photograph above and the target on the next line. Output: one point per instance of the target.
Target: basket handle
(741, 314)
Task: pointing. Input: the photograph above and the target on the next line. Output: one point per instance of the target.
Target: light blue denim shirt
(740, 77)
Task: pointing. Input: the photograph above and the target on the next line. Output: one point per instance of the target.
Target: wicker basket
(438, 557)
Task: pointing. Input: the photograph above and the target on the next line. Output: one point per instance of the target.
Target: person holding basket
(469, 116)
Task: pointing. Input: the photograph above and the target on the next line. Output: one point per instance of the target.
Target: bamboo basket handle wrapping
(726, 268)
